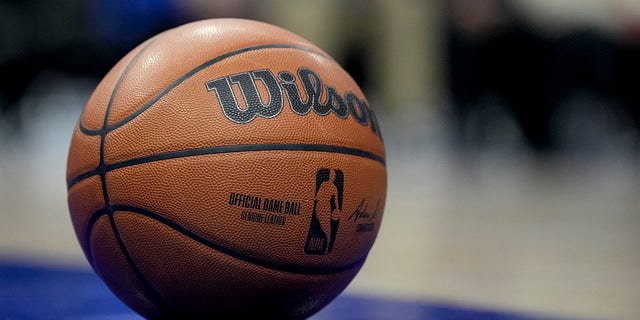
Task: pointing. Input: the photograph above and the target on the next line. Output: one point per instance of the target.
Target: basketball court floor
(493, 236)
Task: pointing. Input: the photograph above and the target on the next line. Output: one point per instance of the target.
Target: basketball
(226, 168)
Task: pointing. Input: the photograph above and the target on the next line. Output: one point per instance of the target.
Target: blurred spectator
(84, 38)
(34, 36)
(496, 58)
(627, 64)
(72, 37)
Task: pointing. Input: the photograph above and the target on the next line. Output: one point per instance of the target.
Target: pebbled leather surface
(172, 232)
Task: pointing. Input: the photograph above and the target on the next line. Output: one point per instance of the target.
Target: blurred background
(512, 130)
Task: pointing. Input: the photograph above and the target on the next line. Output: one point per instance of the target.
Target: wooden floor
(559, 237)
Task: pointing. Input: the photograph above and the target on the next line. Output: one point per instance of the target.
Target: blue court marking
(39, 292)
(34, 292)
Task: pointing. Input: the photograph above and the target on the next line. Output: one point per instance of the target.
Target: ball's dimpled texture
(187, 211)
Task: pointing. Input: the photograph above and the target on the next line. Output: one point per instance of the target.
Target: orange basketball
(226, 168)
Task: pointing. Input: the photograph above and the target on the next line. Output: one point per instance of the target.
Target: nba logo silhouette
(327, 211)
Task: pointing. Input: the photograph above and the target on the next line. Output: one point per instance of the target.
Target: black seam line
(230, 149)
(82, 176)
(108, 209)
(92, 221)
(104, 129)
(150, 291)
(297, 269)
(102, 169)
(86, 131)
(200, 68)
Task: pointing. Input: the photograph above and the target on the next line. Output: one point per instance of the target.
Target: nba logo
(327, 211)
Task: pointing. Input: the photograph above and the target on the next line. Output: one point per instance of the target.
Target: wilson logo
(320, 98)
